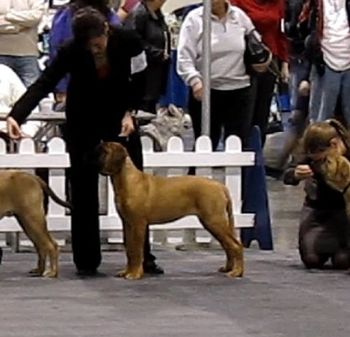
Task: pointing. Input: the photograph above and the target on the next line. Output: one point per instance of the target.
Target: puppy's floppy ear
(344, 168)
(119, 153)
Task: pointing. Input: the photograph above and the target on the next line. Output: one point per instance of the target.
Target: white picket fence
(173, 162)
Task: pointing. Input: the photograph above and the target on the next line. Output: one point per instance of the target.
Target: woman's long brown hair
(317, 136)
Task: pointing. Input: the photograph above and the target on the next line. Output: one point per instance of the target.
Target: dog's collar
(346, 188)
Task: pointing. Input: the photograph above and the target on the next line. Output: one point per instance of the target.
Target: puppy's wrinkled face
(336, 171)
(111, 157)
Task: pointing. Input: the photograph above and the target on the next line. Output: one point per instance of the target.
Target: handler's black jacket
(319, 195)
(94, 107)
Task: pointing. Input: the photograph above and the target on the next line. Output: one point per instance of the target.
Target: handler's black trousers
(84, 197)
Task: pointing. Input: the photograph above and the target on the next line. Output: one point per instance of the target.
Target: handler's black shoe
(0, 255)
(87, 272)
(152, 268)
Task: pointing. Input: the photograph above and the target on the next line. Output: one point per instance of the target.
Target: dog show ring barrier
(175, 161)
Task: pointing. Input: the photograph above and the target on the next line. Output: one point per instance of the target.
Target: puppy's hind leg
(223, 232)
(34, 225)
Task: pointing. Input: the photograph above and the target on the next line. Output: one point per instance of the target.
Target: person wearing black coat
(148, 20)
(106, 66)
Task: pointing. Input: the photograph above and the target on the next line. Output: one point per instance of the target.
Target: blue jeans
(26, 67)
(299, 68)
(335, 86)
(316, 85)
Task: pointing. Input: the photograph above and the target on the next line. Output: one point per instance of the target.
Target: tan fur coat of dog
(336, 172)
(22, 196)
(143, 199)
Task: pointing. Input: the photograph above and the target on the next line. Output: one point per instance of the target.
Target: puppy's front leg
(134, 236)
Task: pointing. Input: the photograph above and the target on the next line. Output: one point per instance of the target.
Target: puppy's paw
(237, 272)
(51, 274)
(130, 275)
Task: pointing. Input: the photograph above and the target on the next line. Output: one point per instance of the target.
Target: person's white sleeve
(27, 18)
(187, 50)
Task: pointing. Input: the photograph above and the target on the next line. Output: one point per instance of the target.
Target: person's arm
(187, 51)
(187, 54)
(136, 85)
(297, 171)
(126, 8)
(41, 87)
(27, 18)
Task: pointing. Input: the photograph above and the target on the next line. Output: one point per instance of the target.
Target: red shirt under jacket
(267, 17)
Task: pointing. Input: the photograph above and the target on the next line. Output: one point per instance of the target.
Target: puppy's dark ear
(120, 153)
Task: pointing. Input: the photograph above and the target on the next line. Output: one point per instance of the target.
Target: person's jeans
(316, 84)
(335, 86)
(26, 67)
(299, 68)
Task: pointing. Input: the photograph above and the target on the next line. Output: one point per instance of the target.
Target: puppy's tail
(229, 209)
(46, 188)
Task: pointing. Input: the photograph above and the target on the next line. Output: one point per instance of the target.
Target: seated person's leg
(308, 254)
(311, 240)
(341, 259)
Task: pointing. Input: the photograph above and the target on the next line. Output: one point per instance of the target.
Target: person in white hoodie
(19, 20)
(231, 92)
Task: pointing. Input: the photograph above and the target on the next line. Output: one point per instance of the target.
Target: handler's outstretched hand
(13, 129)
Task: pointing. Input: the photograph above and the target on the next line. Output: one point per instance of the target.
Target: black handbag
(256, 52)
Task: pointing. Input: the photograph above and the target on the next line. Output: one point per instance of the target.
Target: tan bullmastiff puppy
(143, 199)
(336, 172)
(22, 196)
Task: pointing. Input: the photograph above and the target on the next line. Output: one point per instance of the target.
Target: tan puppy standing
(143, 199)
(22, 196)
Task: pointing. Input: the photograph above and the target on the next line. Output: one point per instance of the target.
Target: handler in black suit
(106, 67)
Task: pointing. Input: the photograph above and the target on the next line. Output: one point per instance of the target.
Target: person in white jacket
(231, 91)
(19, 20)
(11, 89)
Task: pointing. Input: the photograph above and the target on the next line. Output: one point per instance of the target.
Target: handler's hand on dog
(128, 126)
(13, 129)
(303, 172)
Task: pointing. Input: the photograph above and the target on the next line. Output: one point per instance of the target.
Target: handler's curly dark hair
(88, 23)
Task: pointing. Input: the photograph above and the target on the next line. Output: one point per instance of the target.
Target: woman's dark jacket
(319, 195)
(155, 36)
(94, 107)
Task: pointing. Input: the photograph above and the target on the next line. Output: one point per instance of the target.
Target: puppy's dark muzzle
(98, 156)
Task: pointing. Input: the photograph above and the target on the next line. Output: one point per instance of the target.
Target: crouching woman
(324, 227)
